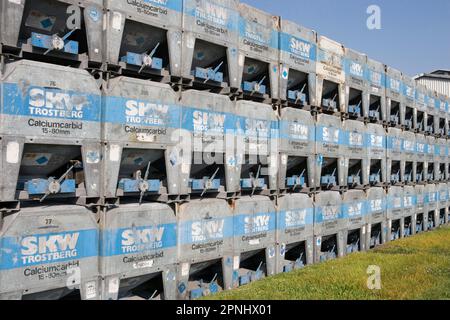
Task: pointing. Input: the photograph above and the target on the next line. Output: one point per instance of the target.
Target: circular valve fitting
(57, 42)
(147, 60)
(143, 186)
(54, 187)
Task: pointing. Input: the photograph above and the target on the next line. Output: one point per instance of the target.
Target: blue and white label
(395, 144)
(329, 135)
(376, 141)
(141, 113)
(395, 202)
(42, 249)
(394, 85)
(210, 13)
(296, 218)
(205, 122)
(409, 92)
(421, 147)
(353, 210)
(328, 213)
(296, 131)
(152, 7)
(205, 230)
(377, 205)
(409, 202)
(298, 48)
(256, 128)
(138, 239)
(376, 78)
(260, 38)
(254, 223)
(50, 103)
(409, 146)
(354, 68)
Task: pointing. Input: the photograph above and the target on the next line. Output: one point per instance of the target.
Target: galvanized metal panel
(44, 104)
(45, 248)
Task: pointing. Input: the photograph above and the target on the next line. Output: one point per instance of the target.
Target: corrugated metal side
(440, 86)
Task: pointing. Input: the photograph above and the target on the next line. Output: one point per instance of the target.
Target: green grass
(414, 268)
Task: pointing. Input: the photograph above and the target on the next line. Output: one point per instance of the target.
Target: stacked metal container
(356, 161)
(376, 217)
(330, 139)
(330, 226)
(143, 39)
(330, 78)
(258, 54)
(210, 52)
(205, 248)
(376, 74)
(174, 149)
(50, 148)
(298, 54)
(354, 209)
(395, 106)
(356, 92)
(295, 232)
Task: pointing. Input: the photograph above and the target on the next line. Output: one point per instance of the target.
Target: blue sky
(415, 35)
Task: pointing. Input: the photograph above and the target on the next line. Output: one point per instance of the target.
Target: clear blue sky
(415, 34)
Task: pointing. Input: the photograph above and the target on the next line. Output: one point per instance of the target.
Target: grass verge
(415, 268)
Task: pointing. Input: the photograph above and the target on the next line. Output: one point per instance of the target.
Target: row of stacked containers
(169, 149)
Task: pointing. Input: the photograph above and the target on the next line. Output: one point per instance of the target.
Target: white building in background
(438, 81)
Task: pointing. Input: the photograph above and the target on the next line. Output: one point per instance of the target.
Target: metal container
(62, 32)
(329, 226)
(419, 211)
(354, 207)
(447, 218)
(395, 212)
(330, 81)
(441, 118)
(257, 152)
(447, 106)
(209, 122)
(431, 207)
(295, 232)
(421, 106)
(355, 153)
(330, 150)
(409, 204)
(441, 159)
(141, 136)
(395, 156)
(409, 156)
(258, 53)
(138, 252)
(421, 163)
(394, 99)
(143, 38)
(409, 101)
(443, 197)
(297, 145)
(210, 43)
(376, 73)
(254, 239)
(356, 91)
(376, 154)
(50, 133)
(48, 253)
(431, 113)
(432, 170)
(298, 54)
(376, 217)
(205, 248)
